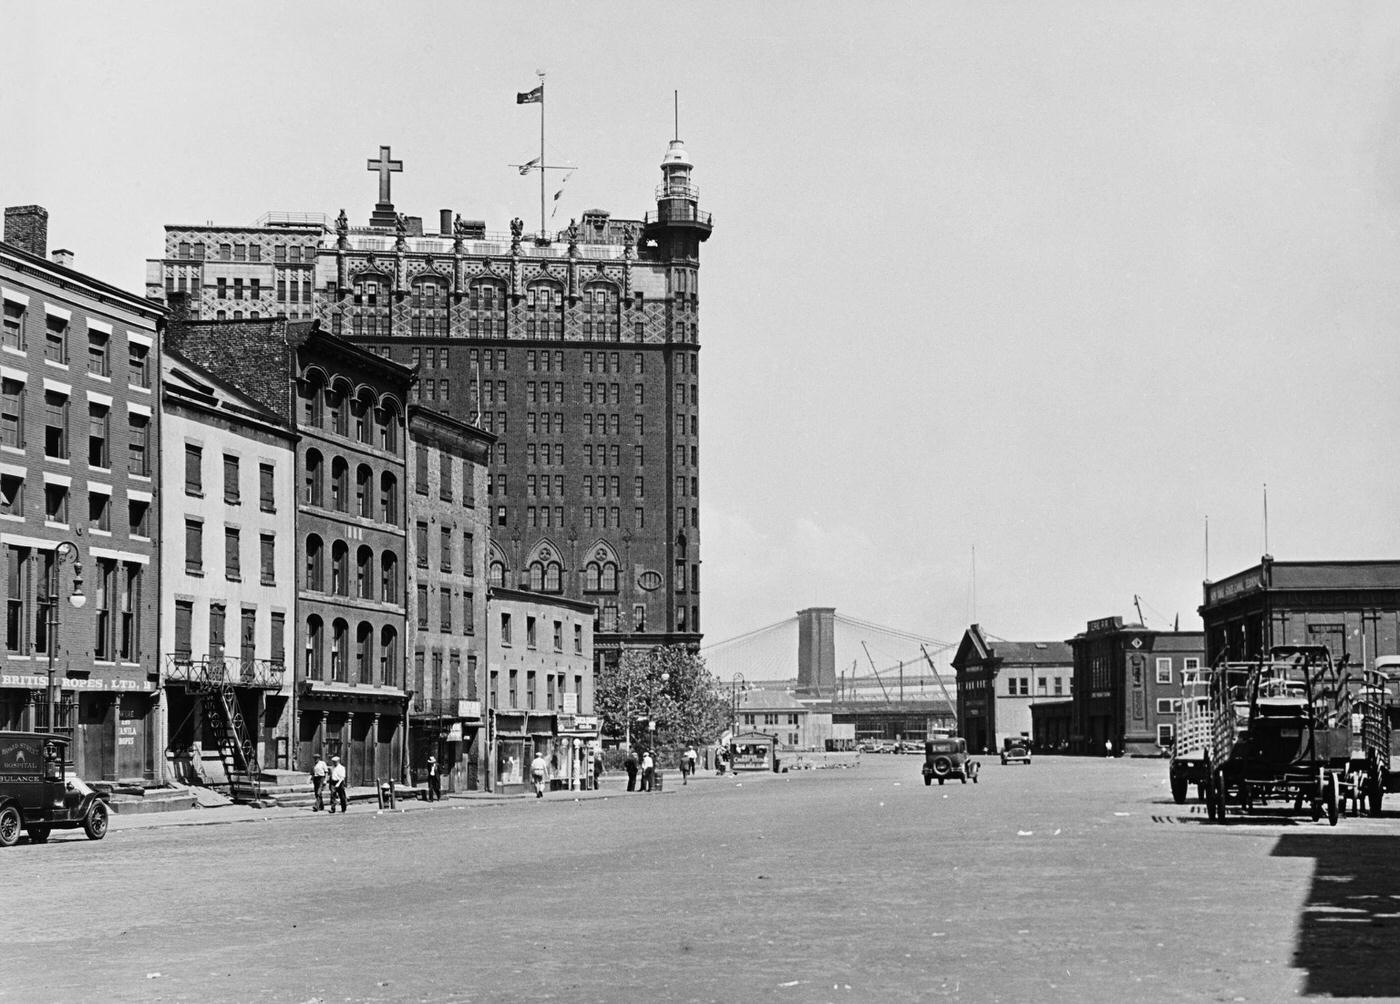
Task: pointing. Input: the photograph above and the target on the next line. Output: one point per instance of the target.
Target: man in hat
(338, 785)
(434, 781)
(319, 770)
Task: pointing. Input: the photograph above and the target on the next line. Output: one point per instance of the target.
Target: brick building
(450, 527)
(1352, 607)
(1127, 680)
(79, 436)
(348, 409)
(579, 352)
(228, 607)
(999, 682)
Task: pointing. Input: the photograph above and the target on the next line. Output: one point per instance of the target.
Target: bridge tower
(816, 651)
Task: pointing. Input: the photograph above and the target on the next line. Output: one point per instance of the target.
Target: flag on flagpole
(559, 193)
(526, 168)
(531, 97)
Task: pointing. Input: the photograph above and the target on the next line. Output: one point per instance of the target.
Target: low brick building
(1000, 681)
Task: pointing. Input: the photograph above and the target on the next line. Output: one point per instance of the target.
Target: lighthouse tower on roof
(678, 226)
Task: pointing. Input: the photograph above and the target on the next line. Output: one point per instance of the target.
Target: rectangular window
(1164, 670)
(138, 365)
(233, 569)
(184, 629)
(218, 614)
(422, 596)
(578, 639)
(558, 636)
(138, 429)
(468, 613)
(420, 539)
(12, 495)
(97, 436)
(266, 499)
(445, 610)
(194, 470)
(55, 425)
(279, 638)
(194, 546)
(56, 503)
(505, 628)
(99, 510)
(267, 559)
(1165, 706)
(529, 632)
(12, 413)
(1165, 734)
(97, 352)
(231, 495)
(56, 340)
(14, 325)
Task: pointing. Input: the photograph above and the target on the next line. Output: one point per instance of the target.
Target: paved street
(1067, 880)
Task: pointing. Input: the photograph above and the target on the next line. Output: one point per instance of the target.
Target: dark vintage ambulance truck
(36, 795)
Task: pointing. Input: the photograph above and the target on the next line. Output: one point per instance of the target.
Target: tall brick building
(580, 354)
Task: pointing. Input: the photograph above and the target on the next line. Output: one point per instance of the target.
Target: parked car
(1015, 750)
(36, 795)
(946, 758)
(910, 746)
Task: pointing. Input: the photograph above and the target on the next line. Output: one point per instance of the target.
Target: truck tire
(928, 780)
(95, 822)
(942, 766)
(11, 824)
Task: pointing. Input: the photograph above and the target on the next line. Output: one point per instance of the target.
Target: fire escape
(217, 681)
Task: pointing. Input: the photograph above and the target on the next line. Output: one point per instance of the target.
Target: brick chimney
(62, 256)
(27, 227)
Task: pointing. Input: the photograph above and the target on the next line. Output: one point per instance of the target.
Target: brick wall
(27, 227)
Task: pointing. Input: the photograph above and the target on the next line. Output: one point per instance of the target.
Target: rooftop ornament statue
(517, 230)
(400, 232)
(572, 233)
(342, 231)
(629, 240)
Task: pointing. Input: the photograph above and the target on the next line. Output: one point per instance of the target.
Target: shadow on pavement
(1347, 934)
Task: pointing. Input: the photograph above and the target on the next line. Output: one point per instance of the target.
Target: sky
(1003, 303)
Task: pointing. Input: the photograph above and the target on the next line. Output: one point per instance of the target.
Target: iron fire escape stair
(236, 747)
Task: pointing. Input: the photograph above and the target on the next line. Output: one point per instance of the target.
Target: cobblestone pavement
(1068, 880)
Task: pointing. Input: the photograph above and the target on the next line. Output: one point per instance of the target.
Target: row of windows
(58, 508)
(333, 492)
(373, 321)
(531, 633)
(447, 478)
(369, 421)
(554, 690)
(233, 552)
(447, 538)
(57, 336)
(232, 478)
(373, 580)
(1021, 685)
(227, 251)
(373, 658)
(30, 575)
(447, 603)
(590, 521)
(14, 397)
(770, 719)
(217, 633)
(429, 687)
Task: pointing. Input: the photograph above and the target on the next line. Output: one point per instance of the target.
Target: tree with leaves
(666, 685)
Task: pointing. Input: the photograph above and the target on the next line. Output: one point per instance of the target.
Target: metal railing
(679, 214)
(266, 674)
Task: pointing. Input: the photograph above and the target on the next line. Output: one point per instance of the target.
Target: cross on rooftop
(384, 166)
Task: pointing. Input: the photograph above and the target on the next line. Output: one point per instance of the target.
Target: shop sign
(126, 735)
(468, 709)
(34, 681)
(454, 732)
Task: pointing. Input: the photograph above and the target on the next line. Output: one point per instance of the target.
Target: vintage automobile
(1015, 749)
(35, 795)
(946, 758)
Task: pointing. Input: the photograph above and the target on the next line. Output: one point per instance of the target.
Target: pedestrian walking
(319, 770)
(688, 763)
(648, 771)
(537, 767)
(1108, 747)
(631, 764)
(434, 781)
(597, 766)
(338, 785)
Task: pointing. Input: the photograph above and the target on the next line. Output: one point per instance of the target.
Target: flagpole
(542, 160)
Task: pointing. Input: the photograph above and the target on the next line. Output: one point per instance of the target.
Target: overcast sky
(1055, 281)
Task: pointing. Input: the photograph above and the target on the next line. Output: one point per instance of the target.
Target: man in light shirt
(338, 785)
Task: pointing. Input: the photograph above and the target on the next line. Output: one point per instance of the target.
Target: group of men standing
(335, 775)
(646, 766)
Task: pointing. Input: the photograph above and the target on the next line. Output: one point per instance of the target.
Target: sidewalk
(362, 800)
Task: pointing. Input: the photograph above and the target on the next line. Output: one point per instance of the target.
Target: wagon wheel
(1333, 798)
(1179, 785)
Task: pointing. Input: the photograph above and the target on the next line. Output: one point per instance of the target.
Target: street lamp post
(64, 549)
(734, 685)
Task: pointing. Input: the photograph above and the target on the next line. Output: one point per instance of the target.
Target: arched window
(389, 498)
(607, 580)
(364, 653)
(364, 573)
(389, 577)
(553, 575)
(536, 576)
(340, 638)
(338, 407)
(388, 656)
(314, 491)
(364, 492)
(600, 577)
(340, 554)
(315, 568)
(486, 309)
(340, 485)
(312, 412)
(315, 648)
(590, 577)
(388, 421)
(362, 415)
(498, 574)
